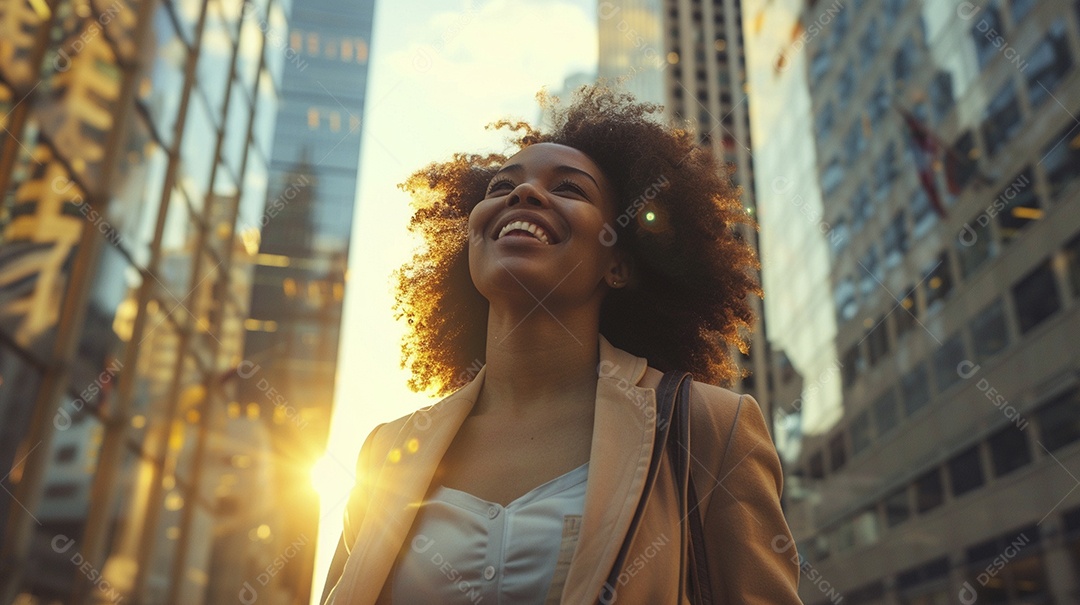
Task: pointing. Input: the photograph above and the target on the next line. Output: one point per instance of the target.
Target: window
(989, 333)
(946, 360)
(895, 240)
(1020, 9)
(904, 317)
(854, 143)
(846, 306)
(865, 595)
(1029, 577)
(824, 122)
(1036, 297)
(897, 509)
(938, 281)
(61, 490)
(845, 84)
(929, 493)
(837, 452)
(1001, 119)
(893, 8)
(870, 274)
(840, 27)
(1072, 256)
(831, 178)
(965, 471)
(941, 94)
(985, 32)
(963, 165)
(1059, 420)
(877, 341)
(820, 64)
(1061, 160)
(66, 453)
(1008, 450)
(838, 237)
(978, 556)
(923, 215)
(1049, 63)
(915, 389)
(842, 537)
(904, 62)
(912, 585)
(861, 208)
(1020, 206)
(879, 102)
(854, 363)
(885, 172)
(869, 45)
(886, 412)
(975, 244)
(861, 436)
(817, 465)
(865, 527)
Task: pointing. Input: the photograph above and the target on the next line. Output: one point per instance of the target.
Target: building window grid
(985, 454)
(936, 485)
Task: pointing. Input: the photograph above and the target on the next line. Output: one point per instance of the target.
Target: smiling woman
(573, 273)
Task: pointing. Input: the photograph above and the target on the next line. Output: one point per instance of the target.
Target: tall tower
(688, 55)
(293, 333)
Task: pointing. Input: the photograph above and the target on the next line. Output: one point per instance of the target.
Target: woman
(558, 272)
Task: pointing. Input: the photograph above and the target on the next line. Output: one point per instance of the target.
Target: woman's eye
(500, 185)
(570, 186)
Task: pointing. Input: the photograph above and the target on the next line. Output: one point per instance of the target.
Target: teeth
(536, 230)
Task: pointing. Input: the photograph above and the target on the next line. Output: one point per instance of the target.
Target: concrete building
(917, 183)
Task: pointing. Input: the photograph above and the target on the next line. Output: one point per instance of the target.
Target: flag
(926, 148)
(930, 152)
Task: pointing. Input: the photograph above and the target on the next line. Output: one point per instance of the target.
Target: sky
(440, 71)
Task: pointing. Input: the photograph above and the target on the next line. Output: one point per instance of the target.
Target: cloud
(501, 50)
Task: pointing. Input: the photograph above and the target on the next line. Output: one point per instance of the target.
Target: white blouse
(466, 550)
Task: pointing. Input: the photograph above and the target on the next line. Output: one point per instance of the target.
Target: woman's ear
(621, 272)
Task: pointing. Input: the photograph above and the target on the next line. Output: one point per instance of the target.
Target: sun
(331, 479)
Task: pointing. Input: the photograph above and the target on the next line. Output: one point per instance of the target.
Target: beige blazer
(749, 548)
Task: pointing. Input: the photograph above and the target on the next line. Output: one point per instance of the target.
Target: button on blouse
(463, 549)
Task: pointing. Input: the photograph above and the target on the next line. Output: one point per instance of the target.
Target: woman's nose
(528, 193)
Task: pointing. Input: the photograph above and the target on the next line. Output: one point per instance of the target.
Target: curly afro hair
(688, 303)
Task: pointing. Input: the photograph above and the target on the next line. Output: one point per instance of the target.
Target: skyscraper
(918, 195)
(688, 56)
(293, 333)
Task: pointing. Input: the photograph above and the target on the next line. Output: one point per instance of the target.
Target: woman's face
(535, 237)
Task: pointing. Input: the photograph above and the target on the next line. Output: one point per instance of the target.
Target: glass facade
(922, 312)
(135, 169)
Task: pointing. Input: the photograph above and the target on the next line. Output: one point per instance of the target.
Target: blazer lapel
(403, 481)
(623, 429)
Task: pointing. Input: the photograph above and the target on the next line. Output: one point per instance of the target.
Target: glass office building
(139, 192)
(917, 177)
(292, 335)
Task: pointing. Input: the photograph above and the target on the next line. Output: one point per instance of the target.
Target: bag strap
(665, 400)
(699, 566)
(672, 407)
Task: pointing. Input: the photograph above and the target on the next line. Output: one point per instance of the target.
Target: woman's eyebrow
(561, 168)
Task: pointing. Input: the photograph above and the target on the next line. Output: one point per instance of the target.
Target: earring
(614, 283)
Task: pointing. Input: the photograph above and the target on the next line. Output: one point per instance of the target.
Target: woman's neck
(539, 362)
